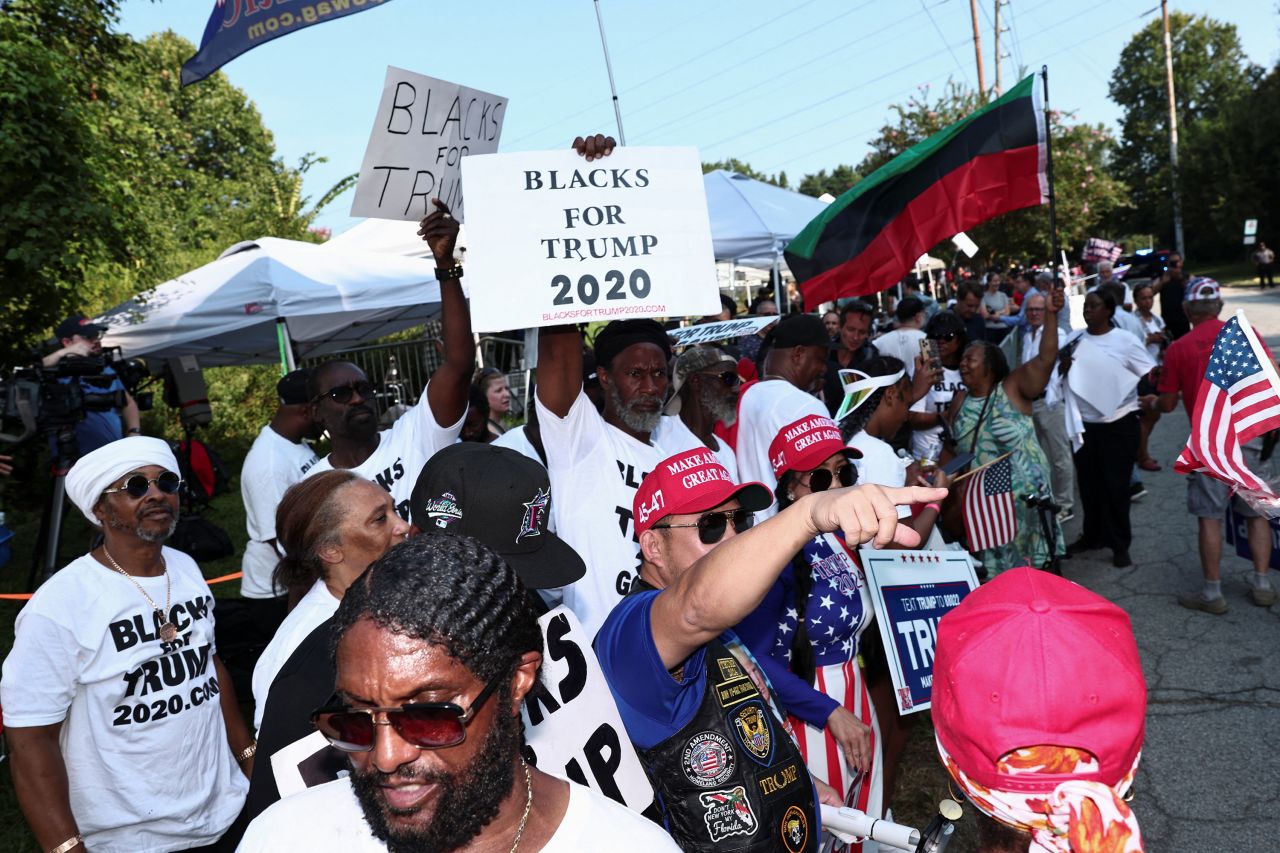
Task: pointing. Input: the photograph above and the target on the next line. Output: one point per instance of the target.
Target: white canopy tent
(230, 311)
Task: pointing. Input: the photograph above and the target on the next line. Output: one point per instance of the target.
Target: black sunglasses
(137, 486)
(820, 479)
(712, 525)
(945, 336)
(343, 393)
(729, 377)
(426, 725)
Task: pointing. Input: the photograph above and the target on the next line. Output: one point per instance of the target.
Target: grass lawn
(1237, 274)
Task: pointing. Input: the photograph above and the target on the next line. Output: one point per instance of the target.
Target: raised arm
(724, 586)
(447, 391)
(559, 368)
(1029, 380)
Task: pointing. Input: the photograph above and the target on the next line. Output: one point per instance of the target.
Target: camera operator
(81, 337)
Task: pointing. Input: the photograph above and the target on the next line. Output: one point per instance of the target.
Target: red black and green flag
(988, 163)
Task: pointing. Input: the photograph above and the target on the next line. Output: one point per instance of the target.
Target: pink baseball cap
(805, 444)
(1031, 659)
(692, 481)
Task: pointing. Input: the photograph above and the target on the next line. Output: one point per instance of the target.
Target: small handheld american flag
(989, 517)
(1238, 400)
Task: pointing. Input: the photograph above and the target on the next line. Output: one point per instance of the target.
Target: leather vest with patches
(732, 779)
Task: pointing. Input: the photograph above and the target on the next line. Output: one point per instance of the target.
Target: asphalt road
(1208, 780)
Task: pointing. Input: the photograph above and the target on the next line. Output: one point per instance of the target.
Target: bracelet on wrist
(449, 273)
(70, 844)
(933, 505)
(245, 754)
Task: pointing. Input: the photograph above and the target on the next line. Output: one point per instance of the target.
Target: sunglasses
(137, 486)
(946, 336)
(426, 725)
(728, 377)
(343, 393)
(712, 525)
(820, 479)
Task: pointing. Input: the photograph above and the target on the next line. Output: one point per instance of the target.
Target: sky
(796, 86)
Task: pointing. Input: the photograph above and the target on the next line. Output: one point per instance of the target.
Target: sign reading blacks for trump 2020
(571, 725)
(911, 591)
(553, 238)
(423, 130)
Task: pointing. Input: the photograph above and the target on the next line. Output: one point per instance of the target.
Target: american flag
(1237, 401)
(989, 517)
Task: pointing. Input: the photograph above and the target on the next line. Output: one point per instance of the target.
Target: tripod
(66, 450)
(1048, 512)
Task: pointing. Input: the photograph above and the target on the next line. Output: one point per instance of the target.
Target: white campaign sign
(423, 129)
(911, 591)
(554, 239)
(722, 330)
(571, 725)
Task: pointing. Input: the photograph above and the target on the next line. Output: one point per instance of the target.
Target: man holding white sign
(422, 130)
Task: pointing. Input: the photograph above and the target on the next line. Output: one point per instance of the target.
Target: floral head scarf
(1076, 817)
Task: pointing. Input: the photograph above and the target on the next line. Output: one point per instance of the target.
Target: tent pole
(779, 289)
(287, 362)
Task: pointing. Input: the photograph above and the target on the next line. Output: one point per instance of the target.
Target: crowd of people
(701, 514)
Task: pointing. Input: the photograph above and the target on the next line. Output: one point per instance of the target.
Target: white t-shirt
(274, 463)
(674, 436)
(143, 738)
(402, 451)
(1126, 351)
(880, 465)
(595, 470)
(518, 440)
(311, 610)
(1129, 322)
(927, 442)
(902, 344)
(329, 817)
(763, 410)
(1031, 349)
(1151, 327)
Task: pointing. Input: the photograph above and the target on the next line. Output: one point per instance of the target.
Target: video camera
(39, 400)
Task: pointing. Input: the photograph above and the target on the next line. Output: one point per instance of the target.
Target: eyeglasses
(945, 336)
(820, 479)
(426, 725)
(343, 393)
(712, 525)
(728, 377)
(137, 486)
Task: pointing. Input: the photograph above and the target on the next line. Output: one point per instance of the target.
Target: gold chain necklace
(168, 631)
(528, 802)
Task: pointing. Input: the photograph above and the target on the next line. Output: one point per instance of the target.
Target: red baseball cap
(805, 444)
(692, 481)
(1030, 659)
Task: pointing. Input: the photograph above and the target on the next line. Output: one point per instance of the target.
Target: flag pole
(617, 111)
(1053, 197)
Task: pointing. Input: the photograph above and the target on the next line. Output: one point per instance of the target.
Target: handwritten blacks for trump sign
(554, 239)
(423, 129)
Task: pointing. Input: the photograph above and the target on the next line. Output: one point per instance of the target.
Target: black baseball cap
(292, 387)
(800, 330)
(78, 324)
(501, 498)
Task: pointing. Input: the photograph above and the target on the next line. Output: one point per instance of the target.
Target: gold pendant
(168, 632)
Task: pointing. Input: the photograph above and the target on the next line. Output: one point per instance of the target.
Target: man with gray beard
(704, 392)
(596, 460)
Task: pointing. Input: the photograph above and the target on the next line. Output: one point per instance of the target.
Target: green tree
(1210, 71)
(840, 179)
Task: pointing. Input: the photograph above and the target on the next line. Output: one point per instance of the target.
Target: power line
(943, 39)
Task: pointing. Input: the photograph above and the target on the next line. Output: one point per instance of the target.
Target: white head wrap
(95, 471)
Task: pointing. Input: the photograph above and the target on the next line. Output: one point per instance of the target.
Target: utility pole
(998, 90)
(977, 50)
(1173, 133)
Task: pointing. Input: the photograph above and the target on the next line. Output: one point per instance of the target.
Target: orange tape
(26, 596)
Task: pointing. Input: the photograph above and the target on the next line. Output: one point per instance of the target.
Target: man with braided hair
(436, 647)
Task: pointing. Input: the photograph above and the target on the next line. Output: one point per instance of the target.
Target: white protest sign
(720, 330)
(423, 129)
(555, 239)
(911, 591)
(571, 725)
(964, 243)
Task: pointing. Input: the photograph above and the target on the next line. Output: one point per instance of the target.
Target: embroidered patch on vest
(752, 725)
(795, 829)
(707, 760)
(728, 812)
(736, 687)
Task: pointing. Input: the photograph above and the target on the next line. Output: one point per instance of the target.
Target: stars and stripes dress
(838, 611)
